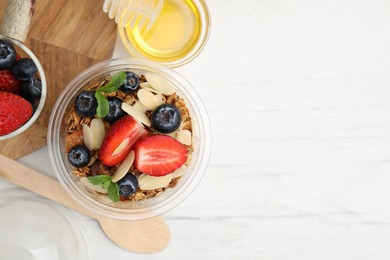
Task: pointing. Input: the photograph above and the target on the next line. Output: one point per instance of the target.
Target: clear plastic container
(130, 210)
(25, 52)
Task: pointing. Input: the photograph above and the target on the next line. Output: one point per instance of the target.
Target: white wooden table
(298, 93)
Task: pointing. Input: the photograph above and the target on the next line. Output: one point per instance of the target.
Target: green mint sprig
(103, 107)
(113, 191)
(106, 182)
(100, 179)
(116, 81)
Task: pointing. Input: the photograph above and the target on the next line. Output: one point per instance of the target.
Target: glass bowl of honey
(178, 35)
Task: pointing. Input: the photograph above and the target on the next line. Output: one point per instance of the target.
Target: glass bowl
(172, 55)
(25, 52)
(140, 209)
(33, 227)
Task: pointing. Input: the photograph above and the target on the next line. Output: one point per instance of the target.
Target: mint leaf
(106, 184)
(103, 106)
(116, 81)
(100, 179)
(113, 192)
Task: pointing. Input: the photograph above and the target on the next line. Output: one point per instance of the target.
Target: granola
(74, 124)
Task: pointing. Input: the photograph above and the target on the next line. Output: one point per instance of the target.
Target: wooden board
(67, 36)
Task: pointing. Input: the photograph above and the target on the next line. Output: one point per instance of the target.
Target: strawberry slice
(14, 112)
(159, 155)
(119, 139)
(8, 82)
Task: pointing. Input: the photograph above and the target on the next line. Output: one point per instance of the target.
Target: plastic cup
(129, 210)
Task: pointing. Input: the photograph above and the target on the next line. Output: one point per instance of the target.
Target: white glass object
(33, 227)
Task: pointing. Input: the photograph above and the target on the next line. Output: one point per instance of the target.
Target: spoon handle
(17, 17)
(43, 185)
(143, 236)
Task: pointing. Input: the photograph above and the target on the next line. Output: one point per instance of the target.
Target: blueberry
(131, 84)
(79, 156)
(7, 55)
(24, 68)
(86, 103)
(31, 88)
(116, 111)
(127, 185)
(166, 118)
(34, 103)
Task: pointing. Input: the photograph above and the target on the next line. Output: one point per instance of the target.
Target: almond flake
(98, 132)
(179, 172)
(124, 168)
(88, 137)
(173, 134)
(141, 176)
(122, 146)
(184, 137)
(92, 160)
(160, 99)
(147, 182)
(148, 99)
(136, 114)
(147, 86)
(152, 90)
(104, 199)
(140, 107)
(160, 84)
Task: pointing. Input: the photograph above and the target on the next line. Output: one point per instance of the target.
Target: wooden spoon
(142, 236)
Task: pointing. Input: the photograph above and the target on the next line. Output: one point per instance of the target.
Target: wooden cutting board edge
(60, 63)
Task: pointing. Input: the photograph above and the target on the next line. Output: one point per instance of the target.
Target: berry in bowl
(22, 88)
(129, 139)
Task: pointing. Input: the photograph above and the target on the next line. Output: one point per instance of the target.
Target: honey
(172, 37)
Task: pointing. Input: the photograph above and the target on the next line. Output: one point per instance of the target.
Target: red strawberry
(8, 82)
(124, 132)
(14, 112)
(159, 155)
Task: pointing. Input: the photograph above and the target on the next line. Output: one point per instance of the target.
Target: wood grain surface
(67, 36)
(298, 94)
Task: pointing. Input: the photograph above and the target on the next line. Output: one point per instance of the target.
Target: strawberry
(8, 82)
(14, 112)
(159, 155)
(119, 140)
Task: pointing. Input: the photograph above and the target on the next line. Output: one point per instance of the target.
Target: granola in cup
(129, 138)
